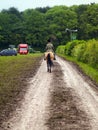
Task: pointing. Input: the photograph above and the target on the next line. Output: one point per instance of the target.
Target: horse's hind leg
(47, 67)
(50, 69)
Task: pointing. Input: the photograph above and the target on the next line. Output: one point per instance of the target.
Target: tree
(87, 21)
(58, 19)
(35, 26)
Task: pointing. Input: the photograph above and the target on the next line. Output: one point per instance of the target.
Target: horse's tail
(49, 59)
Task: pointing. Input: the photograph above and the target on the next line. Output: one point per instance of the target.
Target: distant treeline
(35, 26)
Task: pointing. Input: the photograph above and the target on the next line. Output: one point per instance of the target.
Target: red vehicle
(23, 49)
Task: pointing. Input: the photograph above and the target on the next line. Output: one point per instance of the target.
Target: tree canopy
(35, 26)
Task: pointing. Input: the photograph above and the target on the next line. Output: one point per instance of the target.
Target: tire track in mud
(65, 113)
(84, 89)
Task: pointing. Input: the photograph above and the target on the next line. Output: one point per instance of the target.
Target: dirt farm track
(65, 99)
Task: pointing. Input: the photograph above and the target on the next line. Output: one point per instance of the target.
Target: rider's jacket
(49, 47)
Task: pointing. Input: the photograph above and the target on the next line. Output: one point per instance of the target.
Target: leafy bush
(70, 46)
(78, 51)
(86, 52)
(90, 55)
(60, 49)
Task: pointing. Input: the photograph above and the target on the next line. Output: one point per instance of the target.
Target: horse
(49, 56)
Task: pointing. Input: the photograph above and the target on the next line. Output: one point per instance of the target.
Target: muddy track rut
(62, 100)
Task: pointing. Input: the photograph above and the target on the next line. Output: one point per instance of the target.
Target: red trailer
(23, 49)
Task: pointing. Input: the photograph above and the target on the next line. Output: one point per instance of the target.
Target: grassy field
(87, 69)
(14, 73)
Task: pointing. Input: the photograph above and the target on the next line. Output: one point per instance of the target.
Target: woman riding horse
(50, 48)
(49, 55)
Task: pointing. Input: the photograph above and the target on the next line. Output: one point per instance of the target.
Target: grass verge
(14, 74)
(87, 69)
